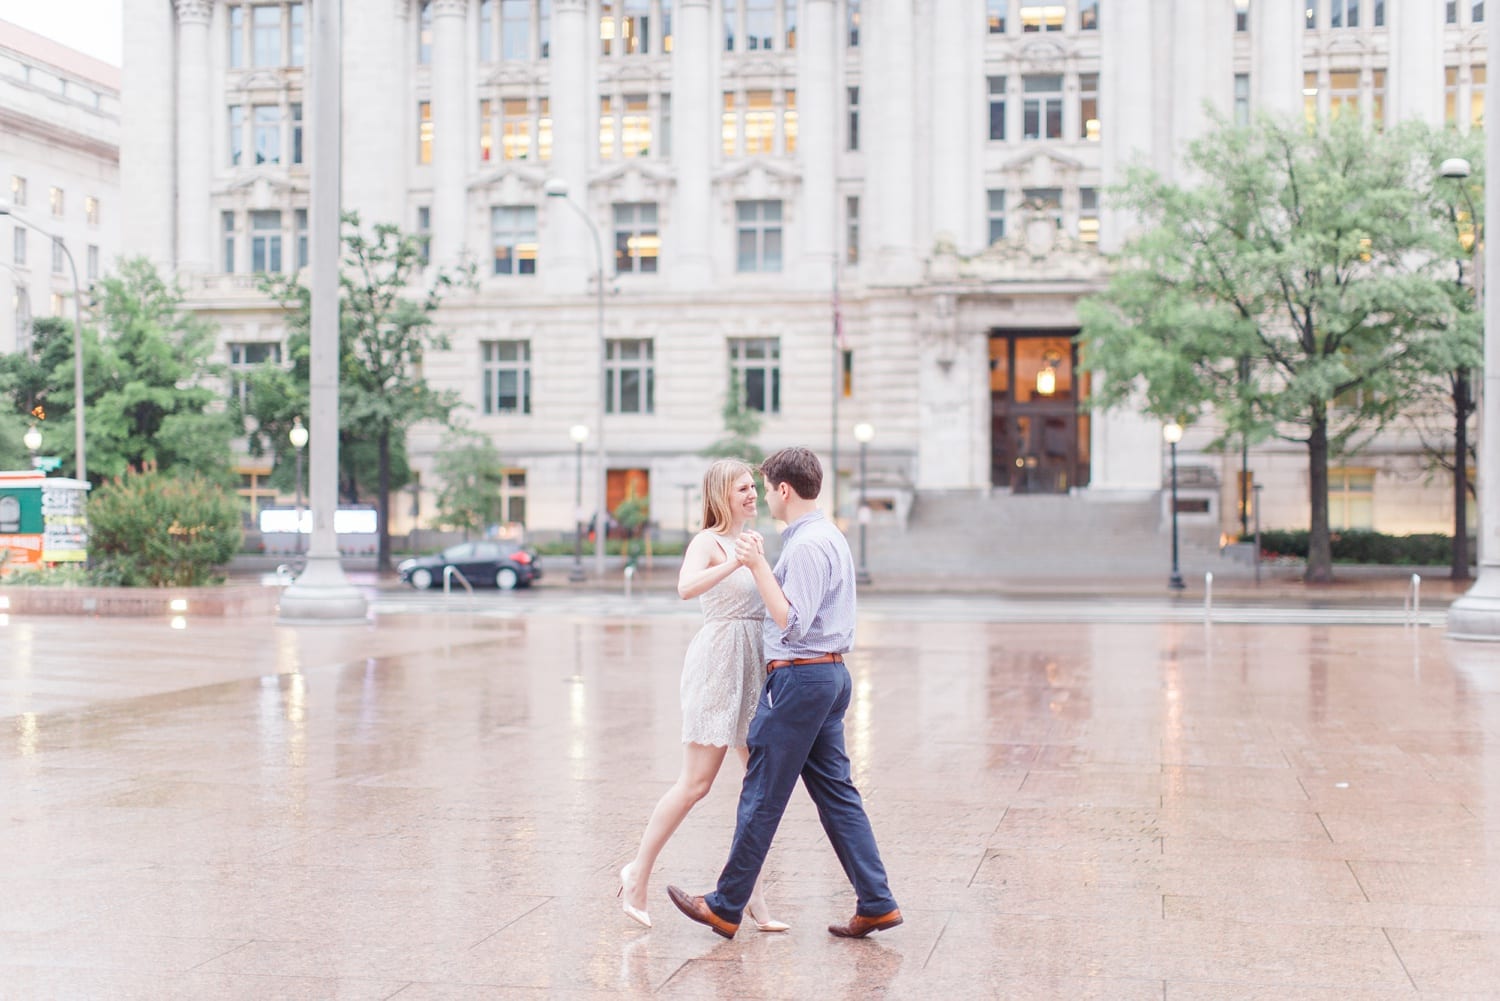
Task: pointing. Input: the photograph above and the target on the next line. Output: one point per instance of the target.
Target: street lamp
(580, 434)
(1172, 433)
(1457, 169)
(298, 435)
(7, 210)
(863, 433)
(33, 440)
(557, 188)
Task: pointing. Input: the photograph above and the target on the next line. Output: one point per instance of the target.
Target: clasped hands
(749, 547)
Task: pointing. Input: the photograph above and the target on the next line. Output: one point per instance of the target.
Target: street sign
(46, 463)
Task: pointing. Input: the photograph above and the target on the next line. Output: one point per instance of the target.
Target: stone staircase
(1054, 537)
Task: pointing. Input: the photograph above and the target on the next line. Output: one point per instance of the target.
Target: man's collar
(791, 527)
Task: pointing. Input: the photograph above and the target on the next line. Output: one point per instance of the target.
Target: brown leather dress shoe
(861, 926)
(699, 911)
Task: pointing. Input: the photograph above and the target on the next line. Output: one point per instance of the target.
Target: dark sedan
(506, 565)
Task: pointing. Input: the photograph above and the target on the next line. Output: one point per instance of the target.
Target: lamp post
(298, 435)
(7, 210)
(863, 433)
(1172, 433)
(1457, 169)
(33, 440)
(557, 188)
(580, 434)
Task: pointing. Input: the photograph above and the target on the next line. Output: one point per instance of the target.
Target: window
(267, 125)
(424, 232)
(515, 129)
(236, 37)
(846, 380)
(997, 108)
(507, 377)
(1377, 98)
(1476, 97)
(424, 34)
(294, 35)
(756, 363)
(760, 24)
(1088, 215)
(57, 255)
(1476, 11)
(760, 123)
(852, 145)
(487, 31)
(1088, 15)
(244, 359)
(1048, 200)
(299, 223)
(1450, 96)
(851, 229)
(1042, 17)
(995, 15)
(227, 219)
(854, 23)
(297, 133)
(606, 25)
(731, 124)
(486, 131)
(1380, 13)
(606, 129)
(789, 122)
(513, 496)
(1351, 498)
(17, 190)
(730, 17)
(1343, 93)
(1310, 14)
(265, 35)
(18, 246)
(635, 27)
(635, 126)
(265, 241)
(1451, 14)
(20, 304)
(57, 304)
(55, 197)
(1241, 15)
(665, 140)
(637, 244)
(629, 378)
(758, 236)
(1242, 99)
(236, 134)
(92, 273)
(544, 28)
(1088, 105)
(1042, 107)
(1343, 13)
(996, 215)
(1310, 97)
(515, 30)
(543, 131)
(424, 131)
(513, 235)
(790, 23)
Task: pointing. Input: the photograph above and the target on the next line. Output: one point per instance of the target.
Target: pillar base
(322, 595)
(1476, 616)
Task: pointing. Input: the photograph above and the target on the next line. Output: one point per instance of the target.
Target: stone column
(890, 163)
(194, 129)
(693, 139)
(957, 32)
(817, 132)
(377, 70)
(451, 149)
(1414, 88)
(568, 257)
(1276, 33)
(146, 148)
(1202, 46)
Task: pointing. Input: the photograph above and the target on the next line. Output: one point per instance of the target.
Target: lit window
(758, 236)
(486, 131)
(635, 126)
(17, 190)
(543, 131)
(606, 130)
(1343, 93)
(995, 15)
(1450, 95)
(637, 242)
(424, 131)
(515, 129)
(1310, 97)
(635, 27)
(756, 363)
(629, 377)
(731, 125)
(789, 122)
(513, 236)
(506, 367)
(790, 23)
(91, 210)
(1351, 498)
(1088, 15)
(1042, 17)
(1377, 98)
(760, 123)
(1088, 215)
(606, 26)
(57, 304)
(1088, 105)
(1476, 97)
(55, 196)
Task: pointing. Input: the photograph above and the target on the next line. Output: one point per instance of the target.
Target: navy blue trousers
(799, 730)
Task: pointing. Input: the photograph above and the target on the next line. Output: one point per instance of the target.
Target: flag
(838, 324)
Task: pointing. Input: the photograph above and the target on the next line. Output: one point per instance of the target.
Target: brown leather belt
(822, 658)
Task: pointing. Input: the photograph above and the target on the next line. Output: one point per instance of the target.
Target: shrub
(1357, 545)
(156, 530)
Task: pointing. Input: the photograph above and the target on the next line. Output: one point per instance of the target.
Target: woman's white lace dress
(723, 674)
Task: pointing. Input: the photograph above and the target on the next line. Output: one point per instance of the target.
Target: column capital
(571, 6)
(449, 8)
(194, 11)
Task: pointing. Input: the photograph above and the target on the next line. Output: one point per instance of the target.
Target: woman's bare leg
(700, 764)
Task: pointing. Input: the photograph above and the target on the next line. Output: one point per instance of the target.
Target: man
(799, 724)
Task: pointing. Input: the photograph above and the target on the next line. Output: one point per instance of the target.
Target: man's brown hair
(797, 467)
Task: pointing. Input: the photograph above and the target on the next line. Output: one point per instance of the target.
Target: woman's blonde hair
(718, 493)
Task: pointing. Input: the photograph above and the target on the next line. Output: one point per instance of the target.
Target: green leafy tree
(468, 464)
(1294, 289)
(159, 530)
(741, 427)
(385, 332)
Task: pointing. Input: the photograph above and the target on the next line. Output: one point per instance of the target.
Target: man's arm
(793, 605)
(751, 550)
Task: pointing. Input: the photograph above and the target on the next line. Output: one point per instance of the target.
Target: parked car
(505, 565)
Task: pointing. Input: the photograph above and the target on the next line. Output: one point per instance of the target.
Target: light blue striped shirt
(816, 573)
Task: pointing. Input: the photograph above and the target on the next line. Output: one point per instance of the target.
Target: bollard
(629, 576)
(1413, 603)
(1208, 598)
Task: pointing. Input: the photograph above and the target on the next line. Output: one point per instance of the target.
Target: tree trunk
(1461, 407)
(1319, 547)
(383, 550)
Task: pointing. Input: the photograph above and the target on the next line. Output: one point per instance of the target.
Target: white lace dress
(723, 674)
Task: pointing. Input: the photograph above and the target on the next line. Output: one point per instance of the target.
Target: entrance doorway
(1039, 438)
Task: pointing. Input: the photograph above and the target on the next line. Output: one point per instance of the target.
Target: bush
(156, 530)
(1364, 546)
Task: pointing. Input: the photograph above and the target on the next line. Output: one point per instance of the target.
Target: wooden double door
(1039, 433)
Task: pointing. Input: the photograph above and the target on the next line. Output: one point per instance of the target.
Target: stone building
(873, 211)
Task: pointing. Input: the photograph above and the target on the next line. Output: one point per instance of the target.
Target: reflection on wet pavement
(438, 805)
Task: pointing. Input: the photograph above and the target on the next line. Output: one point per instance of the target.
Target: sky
(93, 27)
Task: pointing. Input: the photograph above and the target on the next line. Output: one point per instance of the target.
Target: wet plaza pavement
(434, 806)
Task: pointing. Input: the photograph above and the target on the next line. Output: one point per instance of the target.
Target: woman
(722, 674)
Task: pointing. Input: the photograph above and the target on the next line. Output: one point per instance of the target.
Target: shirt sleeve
(806, 585)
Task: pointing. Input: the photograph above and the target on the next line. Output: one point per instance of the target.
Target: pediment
(642, 74)
(512, 182)
(753, 170)
(1042, 53)
(514, 73)
(635, 175)
(260, 79)
(760, 67)
(1041, 169)
(267, 191)
(1036, 250)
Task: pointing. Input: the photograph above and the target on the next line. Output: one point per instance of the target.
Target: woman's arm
(703, 566)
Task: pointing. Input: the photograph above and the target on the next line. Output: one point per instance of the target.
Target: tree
(741, 427)
(385, 332)
(1303, 251)
(468, 464)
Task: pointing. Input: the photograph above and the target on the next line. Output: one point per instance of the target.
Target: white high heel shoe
(768, 925)
(631, 912)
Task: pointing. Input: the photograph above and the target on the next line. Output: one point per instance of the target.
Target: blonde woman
(722, 674)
